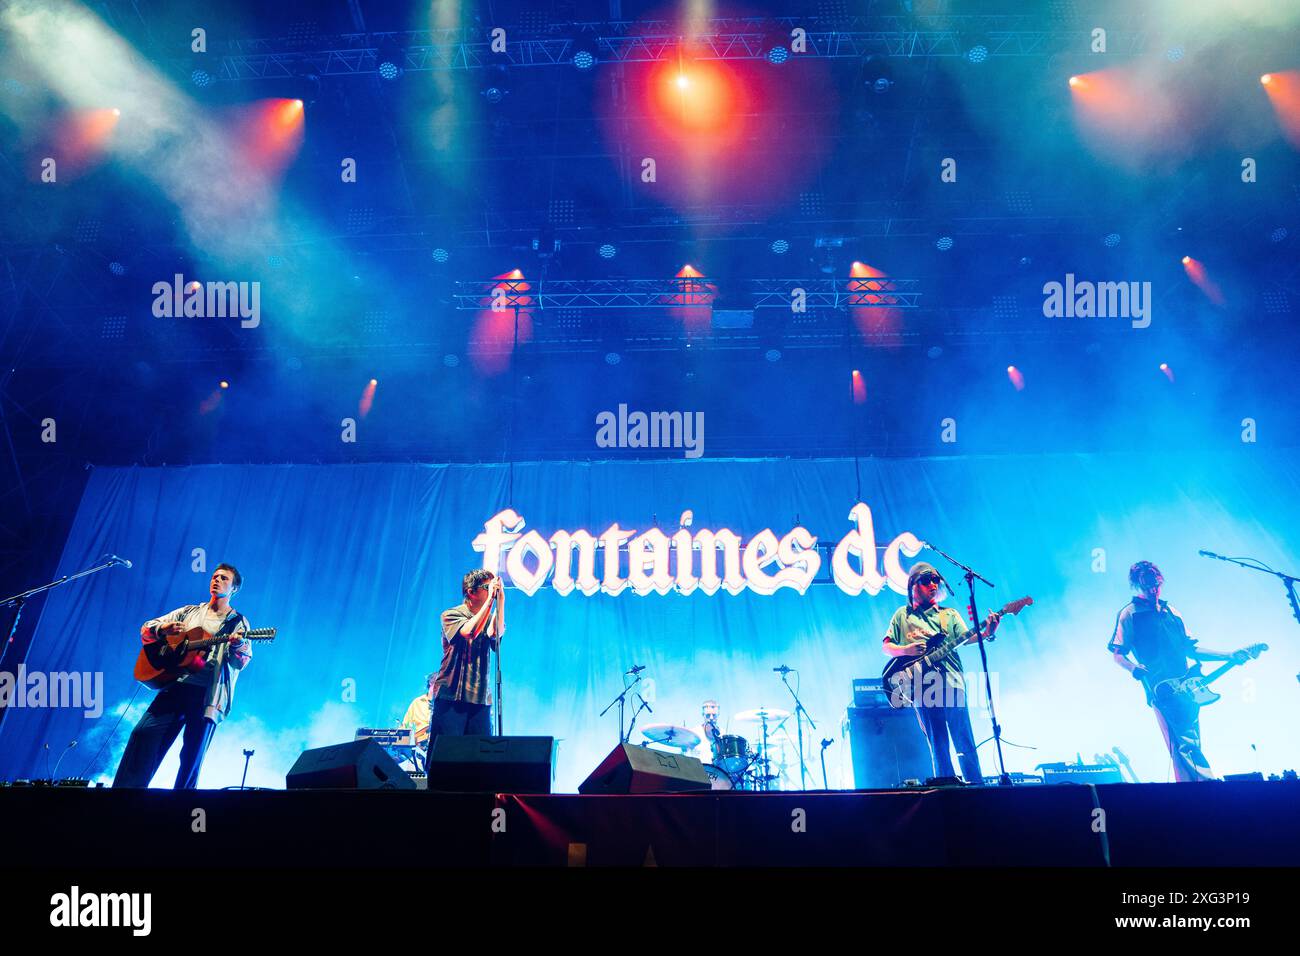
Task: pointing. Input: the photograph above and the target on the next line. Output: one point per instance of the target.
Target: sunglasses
(929, 579)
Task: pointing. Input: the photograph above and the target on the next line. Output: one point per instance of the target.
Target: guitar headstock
(1255, 650)
(260, 634)
(1015, 607)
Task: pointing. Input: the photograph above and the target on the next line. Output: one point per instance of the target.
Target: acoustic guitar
(172, 656)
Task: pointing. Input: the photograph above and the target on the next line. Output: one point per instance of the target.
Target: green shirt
(936, 623)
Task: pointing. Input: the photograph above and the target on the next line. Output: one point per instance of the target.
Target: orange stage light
(1016, 377)
(1196, 271)
(1283, 91)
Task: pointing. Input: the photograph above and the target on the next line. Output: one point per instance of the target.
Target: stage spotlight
(683, 81)
(389, 58)
(116, 111)
(1111, 240)
(608, 251)
(1017, 378)
(943, 243)
(1278, 234)
(225, 384)
(1174, 54)
(1169, 373)
(440, 255)
(1187, 260)
(978, 53)
(780, 247)
(778, 55)
(117, 268)
(585, 53)
(201, 78)
(1076, 81)
(495, 86)
(612, 358)
(859, 388)
(876, 74)
(1266, 79)
(934, 351)
(450, 360)
(772, 355)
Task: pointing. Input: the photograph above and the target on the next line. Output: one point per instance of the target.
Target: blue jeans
(938, 723)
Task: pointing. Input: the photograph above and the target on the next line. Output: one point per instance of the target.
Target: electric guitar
(1192, 690)
(901, 673)
(169, 658)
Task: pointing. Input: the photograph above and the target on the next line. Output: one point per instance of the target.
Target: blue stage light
(778, 55)
(934, 351)
(584, 60)
(388, 70)
(201, 78)
(612, 358)
(440, 254)
(772, 355)
(780, 247)
(978, 53)
(608, 251)
(943, 243)
(494, 94)
(451, 360)
(1278, 234)
(1174, 54)
(1111, 240)
(117, 268)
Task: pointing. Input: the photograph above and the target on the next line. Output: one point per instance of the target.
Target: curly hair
(1138, 570)
(473, 579)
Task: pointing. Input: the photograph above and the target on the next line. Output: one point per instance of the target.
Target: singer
(462, 700)
(197, 701)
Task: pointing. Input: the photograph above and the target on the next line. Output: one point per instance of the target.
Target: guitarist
(198, 700)
(941, 708)
(1154, 635)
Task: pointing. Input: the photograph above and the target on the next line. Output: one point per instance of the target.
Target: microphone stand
(18, 600)
(637, 713)
(491, 621)
(1004, 779)
(1287, 580)
(799, 714)
(621, 700)
(825, 743)
(248, 755)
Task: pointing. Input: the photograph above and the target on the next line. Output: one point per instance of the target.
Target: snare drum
(732, 753)
(719, 778)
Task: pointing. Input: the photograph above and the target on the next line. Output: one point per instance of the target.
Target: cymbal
(671, 735)
(761, 714)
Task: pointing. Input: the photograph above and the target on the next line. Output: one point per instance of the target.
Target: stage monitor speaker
(477, 764)
(631, 769)
(888, 747)
(355, 765)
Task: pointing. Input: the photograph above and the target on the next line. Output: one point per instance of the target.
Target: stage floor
(1123, 825)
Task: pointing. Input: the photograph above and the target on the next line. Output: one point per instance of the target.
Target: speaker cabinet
(630, 769)
(355, 765)
(476, 764)
(888, 747)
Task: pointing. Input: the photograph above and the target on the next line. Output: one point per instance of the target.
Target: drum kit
(735, 764)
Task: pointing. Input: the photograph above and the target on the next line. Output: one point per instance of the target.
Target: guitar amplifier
(1079, 773)
(869, 693)
(887, 747)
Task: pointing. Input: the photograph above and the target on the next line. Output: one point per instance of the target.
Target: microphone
(636, 669)
(826, 742)
(116, 560)
(782, 669)
(1210, 554)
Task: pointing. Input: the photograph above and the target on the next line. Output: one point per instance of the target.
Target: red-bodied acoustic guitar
(172, 656)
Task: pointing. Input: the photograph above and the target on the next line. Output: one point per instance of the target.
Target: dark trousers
(939, 722)
(176, 707)
(456, 718)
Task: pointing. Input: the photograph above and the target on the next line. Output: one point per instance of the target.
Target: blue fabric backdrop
(354, 563)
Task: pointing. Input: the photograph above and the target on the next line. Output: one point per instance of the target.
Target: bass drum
(719, 778)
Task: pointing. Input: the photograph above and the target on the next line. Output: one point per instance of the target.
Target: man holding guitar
(1154, 634)
(941, 710)
(200, 697)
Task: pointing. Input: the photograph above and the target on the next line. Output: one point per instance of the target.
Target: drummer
(708, 732)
